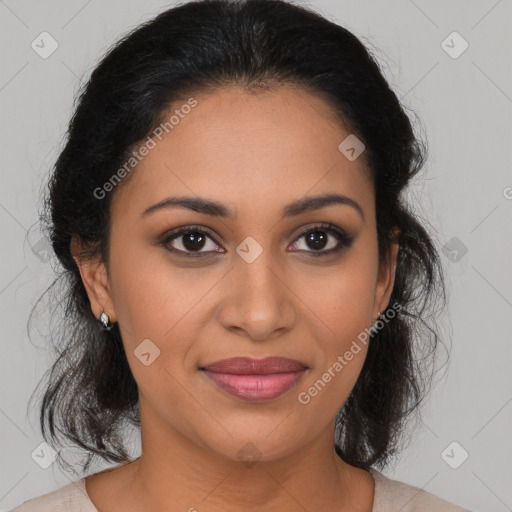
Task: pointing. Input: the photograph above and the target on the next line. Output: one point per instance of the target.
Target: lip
(255, 380)
(250, 366)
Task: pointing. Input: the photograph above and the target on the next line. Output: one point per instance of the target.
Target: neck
(173, 469)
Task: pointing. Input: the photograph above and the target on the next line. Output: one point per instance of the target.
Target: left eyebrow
(315, 203)
(295, 208)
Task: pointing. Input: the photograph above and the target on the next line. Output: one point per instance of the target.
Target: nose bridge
(259, 277)
(254, 262)
(257, 274)
(258, 301)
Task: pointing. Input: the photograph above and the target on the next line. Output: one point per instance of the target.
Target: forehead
(249, 150)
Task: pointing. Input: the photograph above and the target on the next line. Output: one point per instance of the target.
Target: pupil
(192, 241)
(317, 237)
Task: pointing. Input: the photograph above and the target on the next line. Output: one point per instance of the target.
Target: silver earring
(104, 320)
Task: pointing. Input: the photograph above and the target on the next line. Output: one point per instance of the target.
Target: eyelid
(327, 226)
(344, 239)
(176, 232)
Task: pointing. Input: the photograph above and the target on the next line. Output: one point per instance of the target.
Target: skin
(255, 153)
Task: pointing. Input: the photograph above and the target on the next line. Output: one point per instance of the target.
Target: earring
(104, 321)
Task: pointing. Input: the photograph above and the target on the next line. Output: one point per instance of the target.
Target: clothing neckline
(376, 475)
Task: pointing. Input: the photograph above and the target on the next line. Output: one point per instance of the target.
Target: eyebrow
(293, 209)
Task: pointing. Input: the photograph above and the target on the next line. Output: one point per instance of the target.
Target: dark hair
(257, 45)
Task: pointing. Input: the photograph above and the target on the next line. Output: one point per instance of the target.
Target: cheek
(151, 295)
(332, 380)
(161, 312)
(342, 300)
(343, 296)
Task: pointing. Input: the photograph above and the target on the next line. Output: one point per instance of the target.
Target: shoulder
(69, 498)
(395, 495)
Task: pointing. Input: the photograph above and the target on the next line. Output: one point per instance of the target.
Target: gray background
(464, 191)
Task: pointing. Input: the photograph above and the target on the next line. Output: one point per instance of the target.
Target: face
(270, 278)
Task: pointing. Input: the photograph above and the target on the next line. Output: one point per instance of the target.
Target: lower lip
(255, 388)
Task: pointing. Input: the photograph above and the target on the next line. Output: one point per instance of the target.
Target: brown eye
(322, 239)
(317, 240)
(193, 241)
(189, 241)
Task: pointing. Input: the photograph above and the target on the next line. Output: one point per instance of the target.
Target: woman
(245, 277)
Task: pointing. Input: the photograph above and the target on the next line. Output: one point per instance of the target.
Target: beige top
(389, 496)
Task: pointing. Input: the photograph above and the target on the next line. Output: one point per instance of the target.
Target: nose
(258, 302)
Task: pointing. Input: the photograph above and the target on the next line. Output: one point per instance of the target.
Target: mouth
(255, 380)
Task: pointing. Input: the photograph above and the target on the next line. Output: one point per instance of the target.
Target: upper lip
(250, 366)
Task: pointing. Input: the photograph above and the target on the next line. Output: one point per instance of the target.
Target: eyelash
(343, 239)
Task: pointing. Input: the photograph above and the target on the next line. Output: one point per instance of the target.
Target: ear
(386, 278)
(95, 279)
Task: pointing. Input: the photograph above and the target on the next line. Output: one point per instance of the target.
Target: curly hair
(200, 46)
